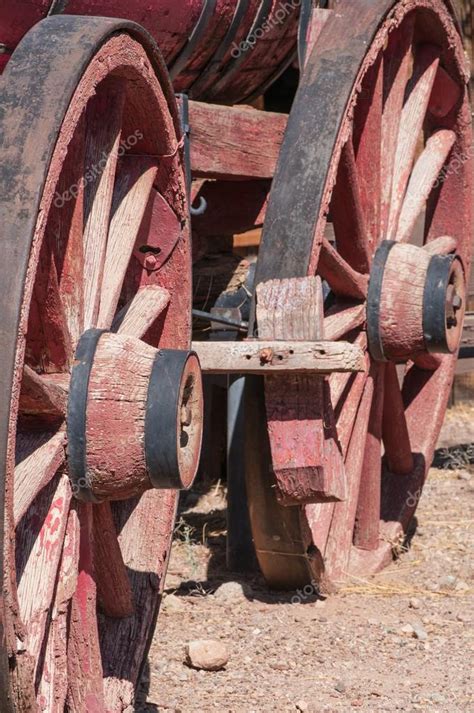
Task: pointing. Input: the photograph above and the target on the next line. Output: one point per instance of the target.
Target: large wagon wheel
(95, 274)
(377, 153)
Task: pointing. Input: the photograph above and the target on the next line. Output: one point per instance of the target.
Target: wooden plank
(306, 456)
(229, 142)
(279, 357)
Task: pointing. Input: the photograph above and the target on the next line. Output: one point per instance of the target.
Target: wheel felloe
(145, 401)
(415, 303)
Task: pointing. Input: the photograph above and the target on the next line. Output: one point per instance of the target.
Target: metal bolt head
(150, 262)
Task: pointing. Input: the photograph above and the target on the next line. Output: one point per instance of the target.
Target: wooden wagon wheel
(95, 276)
(377, 155)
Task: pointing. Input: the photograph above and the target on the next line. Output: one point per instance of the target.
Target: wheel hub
(415, 304)
(134, 417)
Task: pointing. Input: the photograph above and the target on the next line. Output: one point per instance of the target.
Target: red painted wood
(348, 213)
(171, 24)
(339, 542)
(367, 137)
(397, 63)
(340, 275)
(367, 519)
(114, 592)
(396, 438)
(41, 617)
(85, 686)
(53, 686)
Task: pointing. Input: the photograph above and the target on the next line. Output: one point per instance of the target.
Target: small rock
(464, 475)
(232, 591)
(207, 655)
(419, 633)
(463, 617)
(340, 687)
(461, 586)
(302, 706)
(447, 582)
(373, 622)
(278, 666)
(436, 698)
(407, 629)
(414, 603)
(172, 603)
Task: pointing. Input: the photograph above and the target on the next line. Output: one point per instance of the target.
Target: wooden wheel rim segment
(379, 75)
(81, 583)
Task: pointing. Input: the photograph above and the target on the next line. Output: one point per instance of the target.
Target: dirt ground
(400, 641)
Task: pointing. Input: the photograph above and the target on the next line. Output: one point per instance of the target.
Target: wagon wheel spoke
(42, 396)
(101, 155)
(367, 137)
(342, 319)
(84, 663)
(114, 592)
(39, 456)
(53, 685)
(49, 343)
(367, 522)
(142, 311)
(397, 62)
(396, 438)
(133, 187)
(339, 383)
(426, 62)
(65, 234)
(348, 214)
(423, 179)
(39, 539)
(347, 413)
(341, 277)
(339, 542)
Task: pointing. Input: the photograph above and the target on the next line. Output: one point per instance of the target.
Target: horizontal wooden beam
(234, 142)
(282, 357)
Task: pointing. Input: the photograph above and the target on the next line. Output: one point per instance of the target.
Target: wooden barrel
(225, 51)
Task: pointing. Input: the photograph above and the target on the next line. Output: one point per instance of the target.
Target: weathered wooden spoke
(136, 317)
(426, 62)
(390, 130)
(101, 155)
(99, 247)
(396, 438)
(342, 278)
(348, 214)
(397, 63)
(422, 180)
(131, 196)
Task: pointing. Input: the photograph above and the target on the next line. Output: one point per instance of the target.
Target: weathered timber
(306, 456)
(231, 142)
(278, 357)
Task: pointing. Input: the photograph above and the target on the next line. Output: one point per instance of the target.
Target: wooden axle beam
(279, 357)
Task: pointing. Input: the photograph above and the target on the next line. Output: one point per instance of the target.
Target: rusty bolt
(150, 262)
(266, 356)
